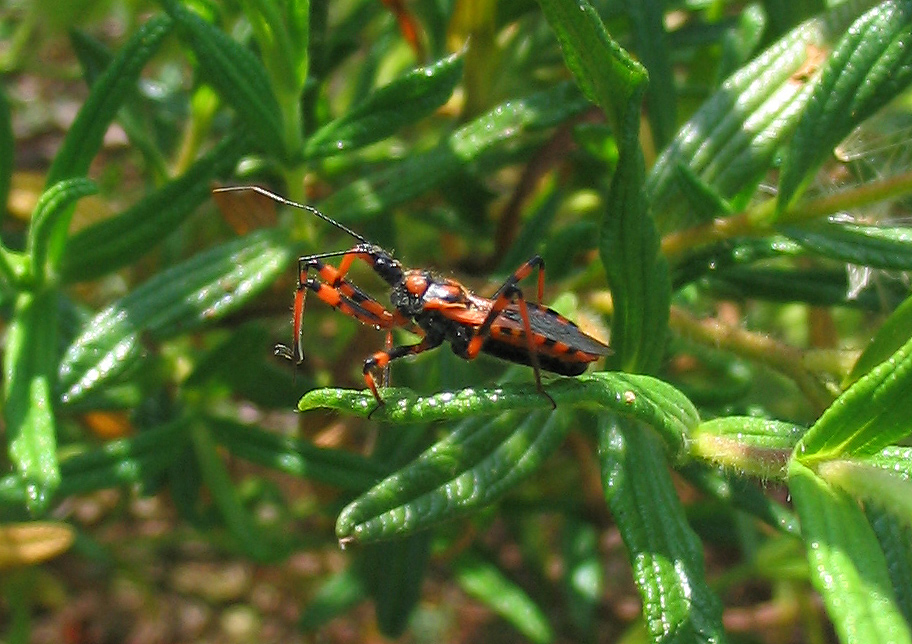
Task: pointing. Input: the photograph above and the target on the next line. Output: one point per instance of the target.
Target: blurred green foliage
(674, 165)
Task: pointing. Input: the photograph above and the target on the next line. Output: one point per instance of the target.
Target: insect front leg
(340, 294)
(380, 361)
(503, 297)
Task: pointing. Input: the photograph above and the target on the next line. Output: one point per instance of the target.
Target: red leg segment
(338, 293)
(381, 360)
(505, 295)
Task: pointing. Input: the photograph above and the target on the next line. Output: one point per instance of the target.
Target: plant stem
(762, 219)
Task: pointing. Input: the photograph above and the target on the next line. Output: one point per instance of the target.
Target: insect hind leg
(503, 297)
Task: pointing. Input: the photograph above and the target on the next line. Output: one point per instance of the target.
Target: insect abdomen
(569, 365)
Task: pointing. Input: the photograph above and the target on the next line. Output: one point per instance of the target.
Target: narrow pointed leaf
(871, 414)
(872, 484)
(108, 94)
(893, 333)
(474, 146)
(665, 553)
(893, 458)
(29, 363)
(647, 399)
(756, 446)
(731, 141)
(225, 495)
(629, 244)
(888, 248)
(404, 101)
(394, 572)
(50, 222)
(847, 564)
(870, 66)
(648, 20)
(485, 582)
(895, 538)
(296, 457)
(111, 244)
(124, 462)
(235, 73)
(471, 468)
(185, 297)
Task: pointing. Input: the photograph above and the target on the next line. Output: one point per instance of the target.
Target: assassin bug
(440, 310)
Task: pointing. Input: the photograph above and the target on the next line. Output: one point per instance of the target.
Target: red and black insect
(441, 310)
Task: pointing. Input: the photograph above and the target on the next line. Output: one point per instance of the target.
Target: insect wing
(550, 324)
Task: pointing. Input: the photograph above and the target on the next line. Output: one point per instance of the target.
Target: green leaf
(664, 552)
(123, 462)
(647, 399)
(94, 57)
(394, 572)
(892, 458)
(871, 65)
(583, 577)
(405, 101)
(895, 538)
(608, 76)
(821, 287)
(225, 495)
(474, 146)
(870, 415)
(756, 446)
(702, 198)
(469, 469)
(731, 141)
(638, 274)
(50, 223)
(883, 247)
(197, 292)
(629, 244)
(282, 33)
(734, 490)
(485, 582)
(29, 361)
(111, 90)
(893, 333)
(871, 483)
(847, 565)
(111, 244)
(648, 21)
(336, 596)
(293, 456)
(236, 74)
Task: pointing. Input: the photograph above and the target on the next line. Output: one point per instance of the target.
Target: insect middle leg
(380, 361)
(503, 297)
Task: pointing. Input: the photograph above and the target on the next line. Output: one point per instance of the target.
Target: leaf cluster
(721, 207)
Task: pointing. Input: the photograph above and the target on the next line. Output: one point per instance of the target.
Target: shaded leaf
(665, 553)
(871, 65)
(472, 467)
(485, 582)
(108, 94)
(406, 100)
(847, 565)
(29, 362)
(197, 292)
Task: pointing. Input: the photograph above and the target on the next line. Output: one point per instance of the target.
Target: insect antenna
(294, 204)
